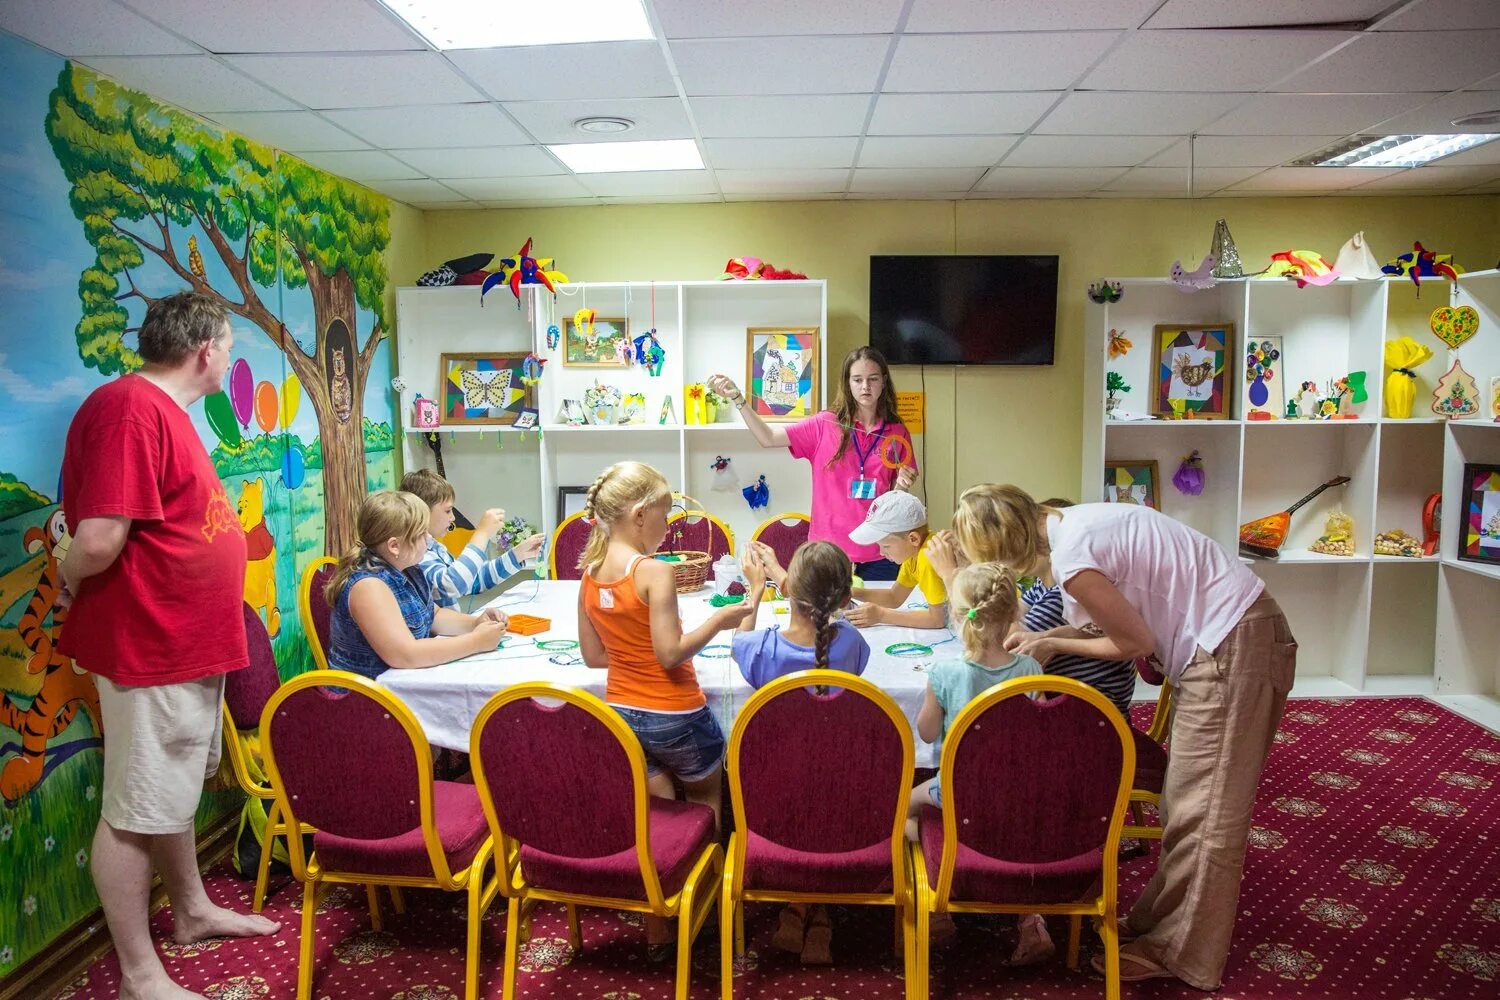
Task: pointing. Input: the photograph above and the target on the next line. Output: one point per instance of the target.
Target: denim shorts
(688, 747)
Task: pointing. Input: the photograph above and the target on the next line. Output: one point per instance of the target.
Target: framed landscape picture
(1192, 377)
(1133, 482)
(483, 388)
(1479, 515)
(781, 371)
(600, 343)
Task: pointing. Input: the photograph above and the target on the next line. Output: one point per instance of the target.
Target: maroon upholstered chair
(1150, 753)
(313, 610)
(699, 531)
(568, 543)
(785, 534)
(246, 692)
(355, 770)
(807, 832)
(1033, 802)
(564, 788)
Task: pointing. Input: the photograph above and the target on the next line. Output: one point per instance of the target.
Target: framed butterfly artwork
(483, 388)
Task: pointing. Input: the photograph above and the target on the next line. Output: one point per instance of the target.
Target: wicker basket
(691, 571)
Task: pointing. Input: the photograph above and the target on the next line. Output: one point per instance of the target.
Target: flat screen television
(964, 309)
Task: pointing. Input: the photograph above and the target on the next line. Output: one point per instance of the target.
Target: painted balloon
(220, 414)
(293, 467)
(242, 391)
(291, 398)
(266, 405)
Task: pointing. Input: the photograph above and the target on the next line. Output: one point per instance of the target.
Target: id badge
(862, 489)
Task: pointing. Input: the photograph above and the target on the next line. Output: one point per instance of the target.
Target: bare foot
(1034, 944)
(219, 922)
(155, 988)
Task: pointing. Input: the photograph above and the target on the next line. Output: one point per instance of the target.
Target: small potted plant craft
(1114, 384)
(720, 410)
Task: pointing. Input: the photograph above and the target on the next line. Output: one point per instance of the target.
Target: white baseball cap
(891, 514)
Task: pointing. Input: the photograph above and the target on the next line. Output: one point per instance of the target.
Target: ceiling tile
(588, 202)
(751, 117)
(987, 15)
(781, 181)
(959, 114)
(755, 66)
(429, 126)
(1313, 114)
(1394, 61)
(876, 181)
(922, 194)
(1436, 179)
(762, 154)
(552, 121)
(1241, 150)
(1311, 179)
(1023, 180)
(1218, 14)
(1119, 113)
(446, 206)
(696, 19)
(412, 192)
(488, 161)
(92, 28)
(293, 131)
(1464, 14)
(1174, 180)
(197, 83)
(661, 199)
(366, 80)
(284, 25)
(663, 182)
(785, 196)
(934, 151)
(595, 69)
(362, 165)
(1438, 114)
(1026, 61)
(1085, 150)
(512, 188)
(1208, 60)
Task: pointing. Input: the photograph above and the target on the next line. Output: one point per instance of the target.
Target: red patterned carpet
(1373, 873)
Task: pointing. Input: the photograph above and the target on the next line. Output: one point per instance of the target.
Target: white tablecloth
(448, 698)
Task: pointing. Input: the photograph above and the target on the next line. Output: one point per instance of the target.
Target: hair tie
(972, 614)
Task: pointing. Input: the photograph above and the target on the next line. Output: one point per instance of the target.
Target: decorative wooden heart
(1454, 324)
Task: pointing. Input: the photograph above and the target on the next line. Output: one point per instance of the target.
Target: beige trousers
(1228, 705)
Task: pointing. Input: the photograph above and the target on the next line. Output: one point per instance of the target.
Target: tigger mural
(260, 565)
(64, 688)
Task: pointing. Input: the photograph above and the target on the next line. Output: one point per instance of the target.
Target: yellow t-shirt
(917, 572)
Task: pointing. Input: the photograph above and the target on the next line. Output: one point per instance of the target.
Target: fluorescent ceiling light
(1394, 150)
(614, 157)
(471, 24)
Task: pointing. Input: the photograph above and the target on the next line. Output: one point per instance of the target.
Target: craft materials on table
(1338, 535)
(1397, 543)
(528, 625)
(1263, 537)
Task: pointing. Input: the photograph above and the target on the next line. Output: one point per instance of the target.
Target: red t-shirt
(169, 608)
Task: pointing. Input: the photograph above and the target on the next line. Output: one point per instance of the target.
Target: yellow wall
(984, 424)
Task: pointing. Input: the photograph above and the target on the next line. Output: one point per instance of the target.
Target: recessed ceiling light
(614, 157)
(1483, 119)
(604, 126)
(1392, 150)
(472, 24)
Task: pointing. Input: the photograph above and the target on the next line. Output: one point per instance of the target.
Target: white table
(448, 698)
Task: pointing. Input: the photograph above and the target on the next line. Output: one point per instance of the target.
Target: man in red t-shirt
(154, 581)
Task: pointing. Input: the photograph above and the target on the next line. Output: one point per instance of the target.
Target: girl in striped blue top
(471, 572)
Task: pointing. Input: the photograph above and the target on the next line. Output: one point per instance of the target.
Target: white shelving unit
(702, 326)
(1366, 624)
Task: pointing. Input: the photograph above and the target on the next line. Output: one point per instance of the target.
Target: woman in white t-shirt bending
(1150, 585)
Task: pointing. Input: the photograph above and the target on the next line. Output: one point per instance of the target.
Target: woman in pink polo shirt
(858, 450)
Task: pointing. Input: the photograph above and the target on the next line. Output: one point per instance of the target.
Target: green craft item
(556, 645)
(670, 559)
(724, 600)
(908, 649)
(716, 652)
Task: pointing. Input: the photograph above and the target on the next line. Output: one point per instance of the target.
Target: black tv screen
(964, 310)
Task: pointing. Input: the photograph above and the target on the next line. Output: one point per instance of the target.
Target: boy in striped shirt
(450, 578)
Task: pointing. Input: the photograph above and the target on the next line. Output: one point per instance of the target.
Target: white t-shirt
(1188, 589)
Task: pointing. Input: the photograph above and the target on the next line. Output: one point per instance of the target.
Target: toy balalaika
(1263, 537)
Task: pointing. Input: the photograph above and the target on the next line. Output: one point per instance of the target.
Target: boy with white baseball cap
(897, 523)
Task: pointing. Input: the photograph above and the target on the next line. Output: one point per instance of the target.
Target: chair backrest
(699, 531)
(1034, 781)
(353, 764)
(314, 611)
(247, 690)
(564, 776)
(785, 534)
(1149, 670)
(568, 543)
(785, 774)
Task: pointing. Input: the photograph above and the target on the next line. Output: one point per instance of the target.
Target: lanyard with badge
(860, 487)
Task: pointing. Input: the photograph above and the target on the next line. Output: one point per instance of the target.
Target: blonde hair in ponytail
(985, 603)
(819, 579)
(619, 489)
(1002, 524)
(383, 515)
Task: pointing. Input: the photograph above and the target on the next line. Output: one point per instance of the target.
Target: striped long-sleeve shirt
(1115, 679)
(471, 573)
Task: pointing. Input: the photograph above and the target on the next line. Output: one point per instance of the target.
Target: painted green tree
(142, 174)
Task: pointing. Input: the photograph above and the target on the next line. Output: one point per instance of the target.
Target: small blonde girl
(986, 605)
(382, 613)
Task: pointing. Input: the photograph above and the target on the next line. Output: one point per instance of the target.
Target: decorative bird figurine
(1198, 280)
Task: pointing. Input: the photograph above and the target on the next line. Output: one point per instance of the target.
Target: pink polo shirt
(834, 512)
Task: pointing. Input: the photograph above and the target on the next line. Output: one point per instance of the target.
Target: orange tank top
(636, 679)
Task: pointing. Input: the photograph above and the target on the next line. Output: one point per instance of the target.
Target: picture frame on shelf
(570, 500)
(1479, 514)
(1193, 378)
(781, 372)
(1265, 386)
(602, 343)
(1133, 482)
(483, 388)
